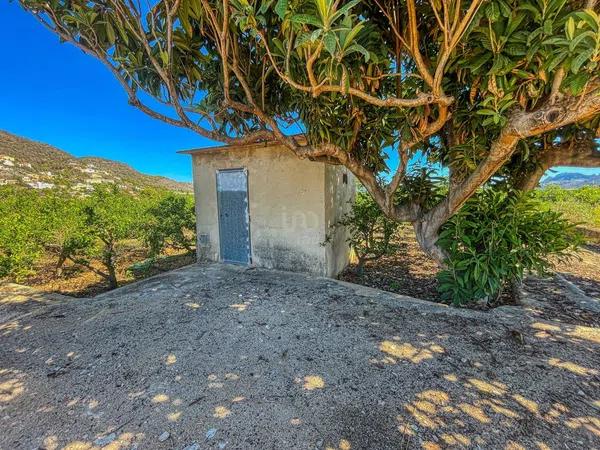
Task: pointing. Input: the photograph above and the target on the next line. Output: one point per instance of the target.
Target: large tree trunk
(427, 237)
(522, 124)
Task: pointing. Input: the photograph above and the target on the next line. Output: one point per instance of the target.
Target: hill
(572, 180)
(41, 166)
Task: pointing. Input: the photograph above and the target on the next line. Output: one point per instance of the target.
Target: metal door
(234, 220)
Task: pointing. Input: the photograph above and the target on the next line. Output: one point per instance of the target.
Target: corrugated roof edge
(299, 137)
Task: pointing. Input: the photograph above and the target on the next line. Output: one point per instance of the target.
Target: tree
(171, 223)
(370, 233)
(66, 233)
(110, 217)
(22, 231)
(468, 84)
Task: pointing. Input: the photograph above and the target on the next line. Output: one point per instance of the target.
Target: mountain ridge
(571, 180)
(38, 165)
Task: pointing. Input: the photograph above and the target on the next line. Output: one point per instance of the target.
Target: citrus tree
(472, 85)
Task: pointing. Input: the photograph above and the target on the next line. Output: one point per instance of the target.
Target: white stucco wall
(288, 220)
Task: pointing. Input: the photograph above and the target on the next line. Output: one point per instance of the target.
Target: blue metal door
(234, 220)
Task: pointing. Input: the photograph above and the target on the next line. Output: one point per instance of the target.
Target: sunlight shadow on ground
(171, 359)
(311, 382)
(193, 305)
(12, 326)
(108, 441)
(221, 412)
(486, 402)
(11, 385)
(572, 367)
(408, 352)
(160, 398)
(343, 445)
(575, 333)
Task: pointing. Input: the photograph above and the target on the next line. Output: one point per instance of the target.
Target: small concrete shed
(260, 205)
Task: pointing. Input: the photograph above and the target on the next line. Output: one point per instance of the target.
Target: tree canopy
(482, 87)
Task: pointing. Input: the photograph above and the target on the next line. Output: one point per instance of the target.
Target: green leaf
(306, 19)
(580, 37)
(492, 11)
(588, 18)
(581, 59)
(330, 42)
(570, 28)
(264, 7)
(281, 8)
(164, 56)
(359, 48)
(110, 33)
(345, 9)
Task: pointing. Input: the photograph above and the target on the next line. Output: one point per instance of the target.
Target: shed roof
(219, 148)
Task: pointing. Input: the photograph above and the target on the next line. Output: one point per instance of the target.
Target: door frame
(234, 169)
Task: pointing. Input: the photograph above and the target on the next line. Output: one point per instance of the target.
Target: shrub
(111, 216)
(22, 231)
(171, 223)
(370, 232)
(578, 205)
(66, 231)
(495, 239)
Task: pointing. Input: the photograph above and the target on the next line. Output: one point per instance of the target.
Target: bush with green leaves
(111, 216)
(581, 205)
(66, 233)
(496, 239)
(370, 232)
(91, 231)
(171, 224)
(23, 231)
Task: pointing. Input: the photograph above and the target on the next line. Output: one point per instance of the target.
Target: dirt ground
(77, 281)
(221, 357)
(410, 272)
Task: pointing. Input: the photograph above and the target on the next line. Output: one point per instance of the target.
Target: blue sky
(52, 92)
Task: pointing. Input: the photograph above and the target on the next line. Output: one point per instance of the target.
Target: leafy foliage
(22, 232)
(110, 217)
(495, 239)
(580, 205)
(370, 233)
(171, 224)
(330, 66)
(92, 232)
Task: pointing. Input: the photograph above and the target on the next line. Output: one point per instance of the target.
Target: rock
(101, 442)
(211, 433)
(163, 437)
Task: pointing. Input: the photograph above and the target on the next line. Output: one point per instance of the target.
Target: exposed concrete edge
(13, 289)
(506, 314)
(300, 139)
(134, 284)
(581, 298)
(405, 302)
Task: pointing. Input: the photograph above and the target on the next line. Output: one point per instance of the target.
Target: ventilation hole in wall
(345, 178)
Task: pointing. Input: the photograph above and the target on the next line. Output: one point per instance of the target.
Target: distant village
(22, 173)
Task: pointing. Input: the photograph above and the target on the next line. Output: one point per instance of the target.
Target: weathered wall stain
(292, 205)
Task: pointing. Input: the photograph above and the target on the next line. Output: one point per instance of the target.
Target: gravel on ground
(223, 357)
